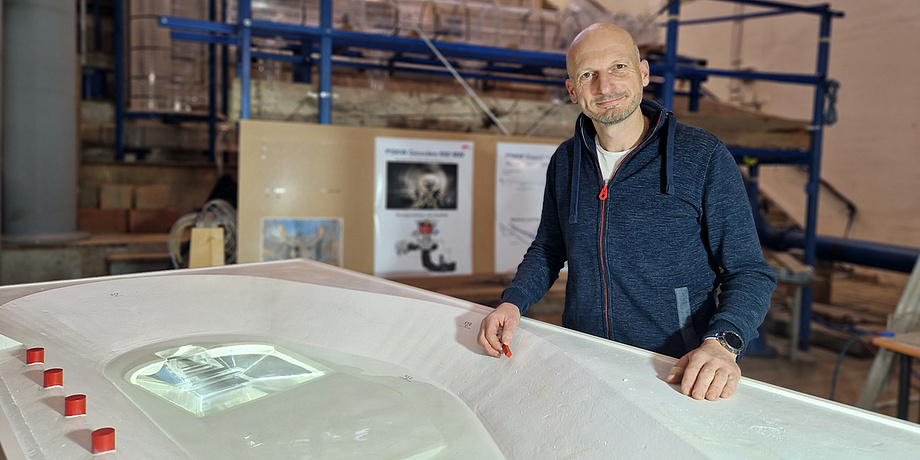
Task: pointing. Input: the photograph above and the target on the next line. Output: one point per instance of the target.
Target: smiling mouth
(609, 103)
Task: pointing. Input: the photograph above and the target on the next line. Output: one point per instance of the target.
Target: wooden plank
(791, 263)
(207, 247)
(906, 344)
(119, 239)
(137, 256)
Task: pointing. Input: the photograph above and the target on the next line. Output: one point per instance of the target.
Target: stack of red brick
(129, 209)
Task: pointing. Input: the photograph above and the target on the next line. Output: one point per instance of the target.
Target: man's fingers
(508, 331)
(700, 386)
(709, 372)
(677, 371)
(675, 374)
(497, 329)
(689, 379)
(488, 337)
(730, 386)
(718, 384)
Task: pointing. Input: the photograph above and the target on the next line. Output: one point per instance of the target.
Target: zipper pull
(603, 195)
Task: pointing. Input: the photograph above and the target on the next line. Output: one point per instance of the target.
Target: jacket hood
(661, 124)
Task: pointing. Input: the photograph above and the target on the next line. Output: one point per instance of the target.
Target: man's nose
(606, 83)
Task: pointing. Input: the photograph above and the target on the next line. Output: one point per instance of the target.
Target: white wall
(872, 154)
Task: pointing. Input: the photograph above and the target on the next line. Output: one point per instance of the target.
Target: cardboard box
(102, 220)
(116, 196)
(151, 197)
(151, 220)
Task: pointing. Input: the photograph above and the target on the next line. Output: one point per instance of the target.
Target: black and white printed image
(421, 185)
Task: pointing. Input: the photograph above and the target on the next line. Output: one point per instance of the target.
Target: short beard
(611, 118)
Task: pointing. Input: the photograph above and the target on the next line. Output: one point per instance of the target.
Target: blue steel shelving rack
(508, 65)
(810, 158)
(120, 87)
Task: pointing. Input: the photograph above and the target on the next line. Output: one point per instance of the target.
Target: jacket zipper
(603, 199)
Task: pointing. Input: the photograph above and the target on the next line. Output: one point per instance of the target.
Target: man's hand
(708, 372)
(497, 328)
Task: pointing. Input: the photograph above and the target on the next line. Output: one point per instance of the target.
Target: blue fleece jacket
(659, 257)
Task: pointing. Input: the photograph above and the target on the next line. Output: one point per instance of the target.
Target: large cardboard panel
(326, 171)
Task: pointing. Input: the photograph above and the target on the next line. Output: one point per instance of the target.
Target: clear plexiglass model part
(203, 381)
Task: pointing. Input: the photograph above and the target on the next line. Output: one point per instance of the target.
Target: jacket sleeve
(546, 255)
(745, 280)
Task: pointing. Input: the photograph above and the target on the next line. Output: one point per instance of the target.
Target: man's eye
(620, 66)
(586, 75)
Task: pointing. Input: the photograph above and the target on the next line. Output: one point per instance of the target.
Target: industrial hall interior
(455, 229)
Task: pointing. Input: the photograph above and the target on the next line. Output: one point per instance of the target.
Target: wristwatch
(731, 341)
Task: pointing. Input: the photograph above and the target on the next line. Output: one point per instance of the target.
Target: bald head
(606, 77)
(598, 36)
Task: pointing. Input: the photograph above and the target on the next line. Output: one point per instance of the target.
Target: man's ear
(643, 67)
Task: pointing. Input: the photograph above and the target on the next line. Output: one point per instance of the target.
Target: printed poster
(423, 205)
(520, 177)
(289, 238)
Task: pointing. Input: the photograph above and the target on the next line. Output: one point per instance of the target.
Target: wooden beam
(207, 247)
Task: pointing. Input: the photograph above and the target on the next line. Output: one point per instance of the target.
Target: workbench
(404, 377)
(907, 347)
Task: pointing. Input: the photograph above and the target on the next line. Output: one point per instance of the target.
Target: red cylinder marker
(54, 378)
(74, 405)
(103, 440)
(35, 355)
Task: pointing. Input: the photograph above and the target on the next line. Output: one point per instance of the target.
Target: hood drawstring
(666, 149)
(576, 172)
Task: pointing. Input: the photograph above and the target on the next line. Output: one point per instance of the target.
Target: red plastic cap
(103, 440)
(54, 378)
(35, 355)
(74, 405)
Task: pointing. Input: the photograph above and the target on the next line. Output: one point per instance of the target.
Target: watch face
(733, 340)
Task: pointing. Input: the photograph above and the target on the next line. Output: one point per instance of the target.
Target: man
(652, 217)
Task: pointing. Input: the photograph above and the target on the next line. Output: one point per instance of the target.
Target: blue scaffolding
(810, 159)
(502, 64)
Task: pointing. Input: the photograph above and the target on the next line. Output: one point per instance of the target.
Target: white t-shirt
(608, 160)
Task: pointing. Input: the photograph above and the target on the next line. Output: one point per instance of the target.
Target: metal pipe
(39, 121)
(325, 63)
(118, 21)
(82, 32)
(244, 45)
(733, 17)
(670, 70)
(814, 9)
(866, 253)
(212, 88)
(814, 173)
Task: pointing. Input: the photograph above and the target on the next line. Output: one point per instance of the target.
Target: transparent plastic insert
(204, 381)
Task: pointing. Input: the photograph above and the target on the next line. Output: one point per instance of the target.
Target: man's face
(606, 76)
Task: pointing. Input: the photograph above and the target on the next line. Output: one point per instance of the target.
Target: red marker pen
(506, 350)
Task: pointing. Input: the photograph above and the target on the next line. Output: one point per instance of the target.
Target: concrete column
(39, 121)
